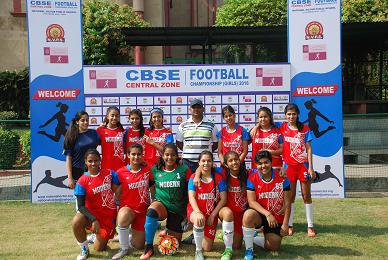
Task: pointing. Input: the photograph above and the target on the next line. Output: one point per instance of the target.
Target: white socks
(228, 228)
(198, 237)
(291, 220)
(309, 215)
(248, 234)
(83, 244)
(259, 240)
(124, 237)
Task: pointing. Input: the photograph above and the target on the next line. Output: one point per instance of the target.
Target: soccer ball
(168, 245)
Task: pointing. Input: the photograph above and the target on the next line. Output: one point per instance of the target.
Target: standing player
(96, 205)
(111, 135)
(170, 197)
(267, 193)
(266, 136)
(156, 137)
(298, 162)
(205, 204)
(78, 139)
(135, 133)
(134, 180)
(232, 137)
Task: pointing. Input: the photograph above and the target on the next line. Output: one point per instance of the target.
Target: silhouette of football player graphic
(312, 119)
(57, 182)
(60, 129)
(326, 175)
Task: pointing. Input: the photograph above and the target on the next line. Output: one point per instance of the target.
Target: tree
(364, 11)
(273, 13)
(252, 13)
(103, 22)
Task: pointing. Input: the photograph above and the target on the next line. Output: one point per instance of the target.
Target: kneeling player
(269, 199)
(134, 200)
(96, 205)
(205, 203)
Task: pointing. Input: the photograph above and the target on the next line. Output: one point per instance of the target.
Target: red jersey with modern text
(159, 136)
(294, 147)
(132, 137)
(207, 194)
(134, 187)
(236, 195)
(99, 197)
(112, 147)
(269, 194)
(267, 140)
(233, 141)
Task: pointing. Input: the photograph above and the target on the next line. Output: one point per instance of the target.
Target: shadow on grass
(365, 231)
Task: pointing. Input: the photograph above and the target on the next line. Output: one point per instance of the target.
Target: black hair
(109, 109)
(141, 125)
(294, 107)
(229, 109)
(152, 126)
(72, 132)
(135, 146)
(206, 152)
(242, 173)
(91, 151)
(160, 164)
(263, 154)
(269, 113)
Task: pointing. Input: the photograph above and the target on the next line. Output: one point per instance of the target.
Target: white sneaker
(84, 253)
(199, 255)
(120, 254)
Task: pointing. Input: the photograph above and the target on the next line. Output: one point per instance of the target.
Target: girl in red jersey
(156, 137)
(96, 205)
(233, 137)
(269, 200)
(298, 162)
(266, 136)
(231, 215)
(135, 133)
(205, 202)
(111, 135)
(134, 181)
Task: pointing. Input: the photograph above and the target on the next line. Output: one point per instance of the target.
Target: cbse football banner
(56, 91)
(314, 40)
(245, 87)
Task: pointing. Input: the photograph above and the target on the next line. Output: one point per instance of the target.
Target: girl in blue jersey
(78, 139)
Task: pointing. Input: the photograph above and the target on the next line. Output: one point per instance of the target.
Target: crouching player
(269, 199)
(96, 205)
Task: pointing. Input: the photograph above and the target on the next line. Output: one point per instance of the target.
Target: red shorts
(209, 231)
(139, 220)
(296, 172)
(237, 222)
(107, 227)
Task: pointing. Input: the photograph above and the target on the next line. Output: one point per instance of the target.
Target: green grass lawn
(347, 228)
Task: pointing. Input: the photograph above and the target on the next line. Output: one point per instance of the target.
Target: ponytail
(72, 132)
(295, 108)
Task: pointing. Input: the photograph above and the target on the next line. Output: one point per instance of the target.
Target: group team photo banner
(56, 91)
(314, 44)
(245, 87)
